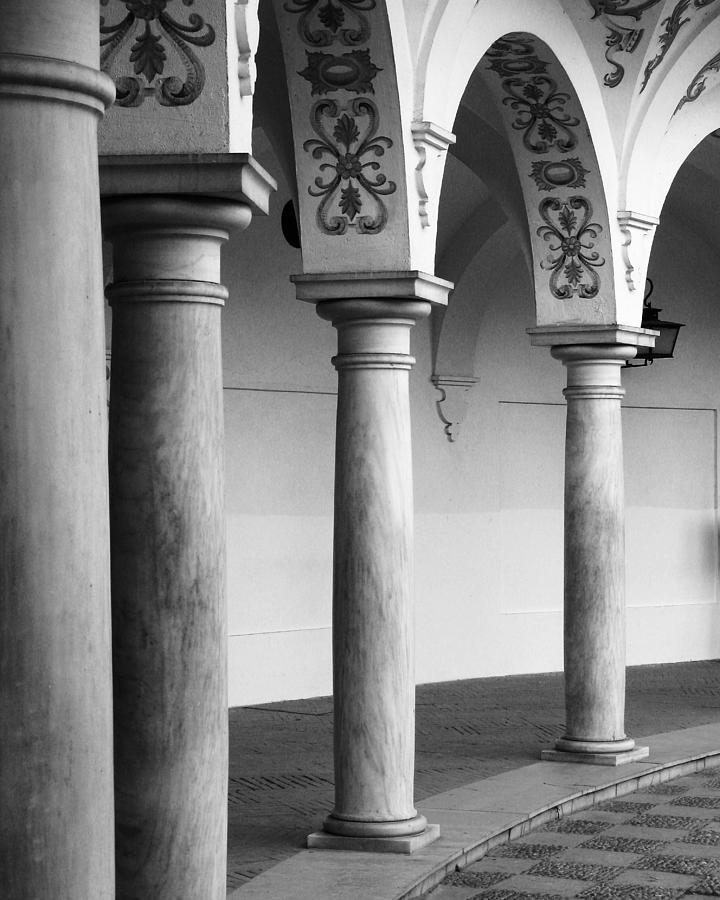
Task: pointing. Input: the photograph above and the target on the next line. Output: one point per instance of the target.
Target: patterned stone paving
(577, 826)
(281, 776)
(626, 856)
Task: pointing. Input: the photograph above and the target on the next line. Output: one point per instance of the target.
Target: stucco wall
(488, 507)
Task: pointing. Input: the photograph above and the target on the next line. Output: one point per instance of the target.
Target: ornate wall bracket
(431, 143)
(247, 32)
(453, 404)
(638, 230)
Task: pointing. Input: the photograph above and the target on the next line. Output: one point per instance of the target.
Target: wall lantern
(664, 342)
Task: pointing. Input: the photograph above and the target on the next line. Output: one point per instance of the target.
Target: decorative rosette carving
(572, 260)
(351, 182)
(541, 113)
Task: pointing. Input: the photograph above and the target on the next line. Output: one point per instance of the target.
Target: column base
(410, 843)
(595, 753)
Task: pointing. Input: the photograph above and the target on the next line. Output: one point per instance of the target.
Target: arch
(458, 35)
(460, 32)
(349, 82)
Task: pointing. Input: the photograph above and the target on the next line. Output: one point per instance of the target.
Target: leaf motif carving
(349, 181)
(346, 131)
(567, 219)
(148, 55)
(331, 16)
(350, 202)
(572, 259)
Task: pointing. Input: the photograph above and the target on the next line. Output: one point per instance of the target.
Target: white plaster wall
(488, 507)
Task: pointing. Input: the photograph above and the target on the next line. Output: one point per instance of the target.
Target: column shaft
(55, 678)
(168, 546)
(594, 632)
(373, 663)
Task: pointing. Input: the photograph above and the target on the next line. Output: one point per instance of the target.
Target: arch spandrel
(683, 106)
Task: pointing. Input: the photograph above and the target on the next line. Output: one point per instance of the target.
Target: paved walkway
(654, 844)
(281, 754)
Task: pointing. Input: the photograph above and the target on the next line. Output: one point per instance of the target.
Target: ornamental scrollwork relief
(541, 115)
(698, 84)
(619, 38)
(325, 22)
(350, 181)
(549, 127)
(671, 28)
(571, 258)
(348, 147)
(154, 32)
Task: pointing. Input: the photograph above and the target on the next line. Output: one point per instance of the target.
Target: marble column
(168, 544)
(373, 664)
(594, 610)
(56, 829)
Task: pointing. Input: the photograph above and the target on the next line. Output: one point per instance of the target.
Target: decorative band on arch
(373, 361)
(169, 290)
(43, 77)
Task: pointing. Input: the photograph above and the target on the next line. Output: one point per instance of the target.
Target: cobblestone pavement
(281, 777)
(655, 844)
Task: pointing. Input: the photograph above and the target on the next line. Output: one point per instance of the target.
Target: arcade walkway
(281, 753)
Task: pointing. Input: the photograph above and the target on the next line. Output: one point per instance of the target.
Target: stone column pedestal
(594, 608)
(168, 544)
(373, 645)
(56, 793)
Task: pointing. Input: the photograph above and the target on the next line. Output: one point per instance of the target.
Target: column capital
(593, 370)
(319, 287)
(228, 176)
(373, 334)
(152, 234)
(143, 213)
(591, 335)
(55, 79)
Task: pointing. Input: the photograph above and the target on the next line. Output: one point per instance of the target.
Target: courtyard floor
(469, 732)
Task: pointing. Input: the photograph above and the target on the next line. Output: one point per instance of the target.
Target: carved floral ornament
(541, 113)
(548, 129)
(153, 31)
(325, 22)
(348, 146)
(350, 181)
(572, 260)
